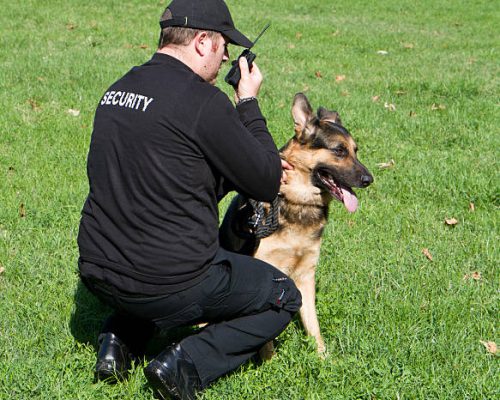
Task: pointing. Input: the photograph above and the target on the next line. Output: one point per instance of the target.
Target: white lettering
(111, 94)
(130, 97)
(115, 102)
(104, 98)
(147, 100)
(123, 99)
(140, 97)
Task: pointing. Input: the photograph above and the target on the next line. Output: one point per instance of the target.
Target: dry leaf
(451, 221)
(339, 78)
(435, 107)
(408, 45)
(400, 92)
(34, 105)
(144, 46)
(382, 52)
(318, 74)
(70, 26)
(476, 275)
(298, 35)
(389, 106)
(41, 79)
(22, 210)
(74, 113)
(344, 93)
(305, 88)
(491, 347)
(2, 269)
(413, 114)
(427, 253)
(385, 165)
(291, 46)
(375, 98)
(472, 207)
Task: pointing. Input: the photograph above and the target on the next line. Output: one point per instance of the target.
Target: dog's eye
(339, 151)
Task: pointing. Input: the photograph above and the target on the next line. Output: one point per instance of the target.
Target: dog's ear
(327, 115)
(302, 113)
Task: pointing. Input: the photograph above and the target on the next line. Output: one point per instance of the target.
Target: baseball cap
(212, 15)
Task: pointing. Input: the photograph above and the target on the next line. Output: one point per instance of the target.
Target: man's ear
(202, 43)
(327, 115)
(302, 115)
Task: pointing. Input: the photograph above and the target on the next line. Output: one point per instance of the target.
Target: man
(167, 145)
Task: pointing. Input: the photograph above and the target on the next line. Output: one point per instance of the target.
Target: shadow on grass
(89, 315)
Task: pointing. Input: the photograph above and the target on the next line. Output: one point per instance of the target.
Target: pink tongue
(350, 200)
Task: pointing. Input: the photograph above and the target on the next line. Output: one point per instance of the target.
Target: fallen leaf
(318, 74)
(34, 105)
(144, 46)
(22, 210)
(375, 98)
(451, 221)
(408, 45)
(382, 52)
(389, 106)
(41, 78)
(291, 46)
(70, 26)
(305, 88)
(298, 35)
(427, 253)
(472, 207)
(400, 92)
(385, 165)
(491, 347)
(413, 114)
(2, 269)
(74, 113)
(436, 107)
(339, 78)
(476, 275)
(345, 93)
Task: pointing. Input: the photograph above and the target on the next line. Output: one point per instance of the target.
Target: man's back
(151, 215)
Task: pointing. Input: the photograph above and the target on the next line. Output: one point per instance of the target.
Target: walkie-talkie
(234, 74)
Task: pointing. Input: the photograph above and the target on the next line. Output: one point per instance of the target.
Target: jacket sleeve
(237, 143)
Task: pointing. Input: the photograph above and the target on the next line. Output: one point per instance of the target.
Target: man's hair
(178, 35)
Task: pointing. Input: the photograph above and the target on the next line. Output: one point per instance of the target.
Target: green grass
(397, 325)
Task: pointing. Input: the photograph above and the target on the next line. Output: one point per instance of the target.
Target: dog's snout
(366, 180)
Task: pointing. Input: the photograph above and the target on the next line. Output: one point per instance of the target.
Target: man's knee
(285, 294)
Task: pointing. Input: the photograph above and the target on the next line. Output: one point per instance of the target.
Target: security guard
(167, 145)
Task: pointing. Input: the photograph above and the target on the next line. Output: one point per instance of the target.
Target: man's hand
(250, 81)
(285, 166)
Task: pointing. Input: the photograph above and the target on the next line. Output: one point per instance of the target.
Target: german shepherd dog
(325, 167)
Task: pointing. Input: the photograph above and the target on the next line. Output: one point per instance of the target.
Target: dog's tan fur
(303, 208)
(295, 247)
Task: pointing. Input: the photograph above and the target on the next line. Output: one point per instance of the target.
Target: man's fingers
(243, 66)
(286, 165)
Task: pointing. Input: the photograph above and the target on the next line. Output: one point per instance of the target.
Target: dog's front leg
(306, 285)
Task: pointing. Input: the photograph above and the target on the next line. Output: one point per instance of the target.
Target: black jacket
(166, 147)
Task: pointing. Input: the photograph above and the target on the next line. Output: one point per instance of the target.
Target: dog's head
(326, 150)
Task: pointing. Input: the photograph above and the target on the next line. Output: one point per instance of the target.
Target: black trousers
(246, 302)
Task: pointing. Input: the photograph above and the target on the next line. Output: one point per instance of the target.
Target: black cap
(212, 15)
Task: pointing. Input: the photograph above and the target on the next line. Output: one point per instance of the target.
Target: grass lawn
(416, 83)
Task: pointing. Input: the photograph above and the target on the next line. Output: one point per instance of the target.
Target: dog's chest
(293, 249)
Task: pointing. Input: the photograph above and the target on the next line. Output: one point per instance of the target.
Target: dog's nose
(366, 180)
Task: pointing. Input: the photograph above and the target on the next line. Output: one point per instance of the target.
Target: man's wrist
(246, 100)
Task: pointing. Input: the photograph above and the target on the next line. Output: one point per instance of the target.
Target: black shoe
(173, 374)
(113, 359)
